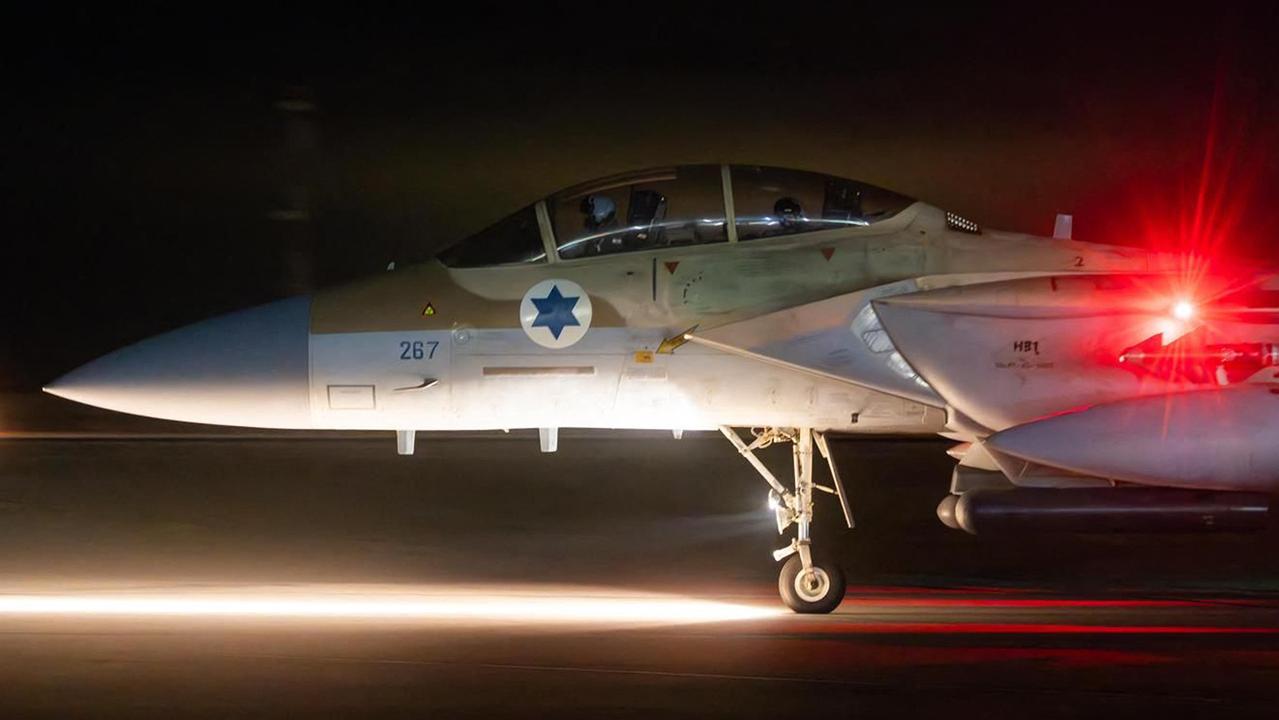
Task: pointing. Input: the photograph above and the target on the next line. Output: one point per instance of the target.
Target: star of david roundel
(555, 313)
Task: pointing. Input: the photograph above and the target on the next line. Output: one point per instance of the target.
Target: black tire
(821, 599)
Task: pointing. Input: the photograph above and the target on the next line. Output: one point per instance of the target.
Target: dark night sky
(142, 152)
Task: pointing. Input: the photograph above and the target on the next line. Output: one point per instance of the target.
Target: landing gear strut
(807, 584)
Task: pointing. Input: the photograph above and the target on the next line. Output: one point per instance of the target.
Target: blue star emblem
(555, 312)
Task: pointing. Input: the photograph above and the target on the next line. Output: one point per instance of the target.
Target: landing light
(1183, 310)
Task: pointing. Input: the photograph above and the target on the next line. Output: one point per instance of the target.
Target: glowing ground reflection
(537, 605)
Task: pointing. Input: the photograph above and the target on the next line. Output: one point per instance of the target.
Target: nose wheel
(817, 589)
(807, 585)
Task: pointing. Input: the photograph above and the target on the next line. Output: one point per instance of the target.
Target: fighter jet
(1082, 383)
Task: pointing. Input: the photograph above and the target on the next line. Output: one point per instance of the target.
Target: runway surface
(887, 652)
(625, 576)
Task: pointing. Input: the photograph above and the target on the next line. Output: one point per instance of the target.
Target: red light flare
(1014, 602)
(997, 628)
(1204, 221)
(1063, 655)
(1188, 351)
(1193, 205)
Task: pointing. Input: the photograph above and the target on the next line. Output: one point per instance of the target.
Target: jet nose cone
(248, 368)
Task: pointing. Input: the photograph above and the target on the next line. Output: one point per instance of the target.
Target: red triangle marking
(827, 252)
(671, 265)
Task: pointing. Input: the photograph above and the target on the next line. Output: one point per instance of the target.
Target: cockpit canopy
(675, 207)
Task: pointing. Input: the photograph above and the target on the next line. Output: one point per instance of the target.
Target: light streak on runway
(500, 604)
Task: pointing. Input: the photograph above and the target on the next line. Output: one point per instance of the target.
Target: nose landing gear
(807, 585)
(817, 589)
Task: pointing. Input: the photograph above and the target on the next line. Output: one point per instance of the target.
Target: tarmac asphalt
(888, 652)
(625, 576)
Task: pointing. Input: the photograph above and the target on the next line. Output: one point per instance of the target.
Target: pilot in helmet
(600, 211)
(788, 212)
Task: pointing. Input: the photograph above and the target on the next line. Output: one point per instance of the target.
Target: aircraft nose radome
(248, 368)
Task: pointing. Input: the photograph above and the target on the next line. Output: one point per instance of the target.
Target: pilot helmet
(600, 210)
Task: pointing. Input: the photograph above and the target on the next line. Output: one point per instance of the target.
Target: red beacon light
(1190, 359)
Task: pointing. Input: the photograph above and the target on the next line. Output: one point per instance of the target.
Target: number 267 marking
(418, 350)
